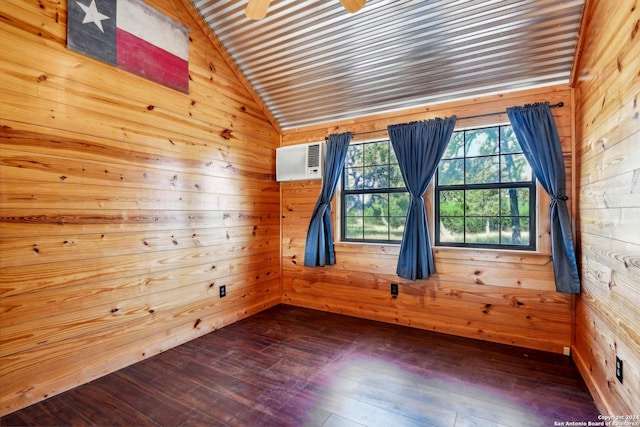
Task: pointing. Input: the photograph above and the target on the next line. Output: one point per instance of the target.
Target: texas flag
(133, 36)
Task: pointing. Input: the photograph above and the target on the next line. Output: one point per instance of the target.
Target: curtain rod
(559, 104)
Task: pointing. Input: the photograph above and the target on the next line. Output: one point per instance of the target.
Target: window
(374, 198)
(485, 192)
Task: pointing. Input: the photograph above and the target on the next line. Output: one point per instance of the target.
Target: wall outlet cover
(394, 289)
(619, 366)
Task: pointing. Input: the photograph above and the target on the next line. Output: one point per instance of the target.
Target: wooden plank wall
(124, 205)
(501, 296)
(608, 159)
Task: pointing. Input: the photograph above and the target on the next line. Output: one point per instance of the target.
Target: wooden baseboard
(596, 392)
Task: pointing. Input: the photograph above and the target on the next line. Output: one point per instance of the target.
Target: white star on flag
(92, 14)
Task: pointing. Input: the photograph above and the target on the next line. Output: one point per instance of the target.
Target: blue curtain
(537, 134)
(319, 246)
(419, 146)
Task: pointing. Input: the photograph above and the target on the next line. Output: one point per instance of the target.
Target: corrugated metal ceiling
(312, 62)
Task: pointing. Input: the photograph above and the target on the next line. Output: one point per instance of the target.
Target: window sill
(369, 248)
(495, 255)
(450, 253)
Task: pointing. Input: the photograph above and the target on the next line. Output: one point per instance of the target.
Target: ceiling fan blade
(352, 6)
(257, 9)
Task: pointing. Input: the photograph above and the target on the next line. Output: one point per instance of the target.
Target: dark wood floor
(290, 366)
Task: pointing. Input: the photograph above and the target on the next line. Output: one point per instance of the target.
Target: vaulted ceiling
(311, 62)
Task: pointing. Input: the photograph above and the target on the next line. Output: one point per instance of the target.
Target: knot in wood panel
(226, 134)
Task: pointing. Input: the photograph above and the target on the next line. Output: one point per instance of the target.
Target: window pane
(354, 156)
(482, 170)
(398, 204)
(376, 205)
(353, 178)
(515, 231)
(451, 172)
(393, 159)
(515, 168)
(508, 142)
(482, 142)
(353, 205)
(483, 230)
(482, 202)
(455, 148)
(376, 153)
(396, 227)
(452, 230)
(354, 228)
(395, 177)
(452, 203)
(514, 202)
(376, 177)
(375, 228)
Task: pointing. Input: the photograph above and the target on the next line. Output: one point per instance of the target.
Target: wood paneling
(124, 205)
(502, 296)
(608, 155)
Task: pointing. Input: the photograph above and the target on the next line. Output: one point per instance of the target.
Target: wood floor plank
(292, 366)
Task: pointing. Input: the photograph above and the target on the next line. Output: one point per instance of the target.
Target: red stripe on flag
(149, 61)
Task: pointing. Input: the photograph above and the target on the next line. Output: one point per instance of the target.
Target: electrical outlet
(394, 290)
(619, 369)
(223, 291)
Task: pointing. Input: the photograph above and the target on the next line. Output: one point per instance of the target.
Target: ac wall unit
(300, 162)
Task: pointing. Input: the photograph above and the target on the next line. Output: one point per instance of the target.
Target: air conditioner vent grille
(313, 158)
